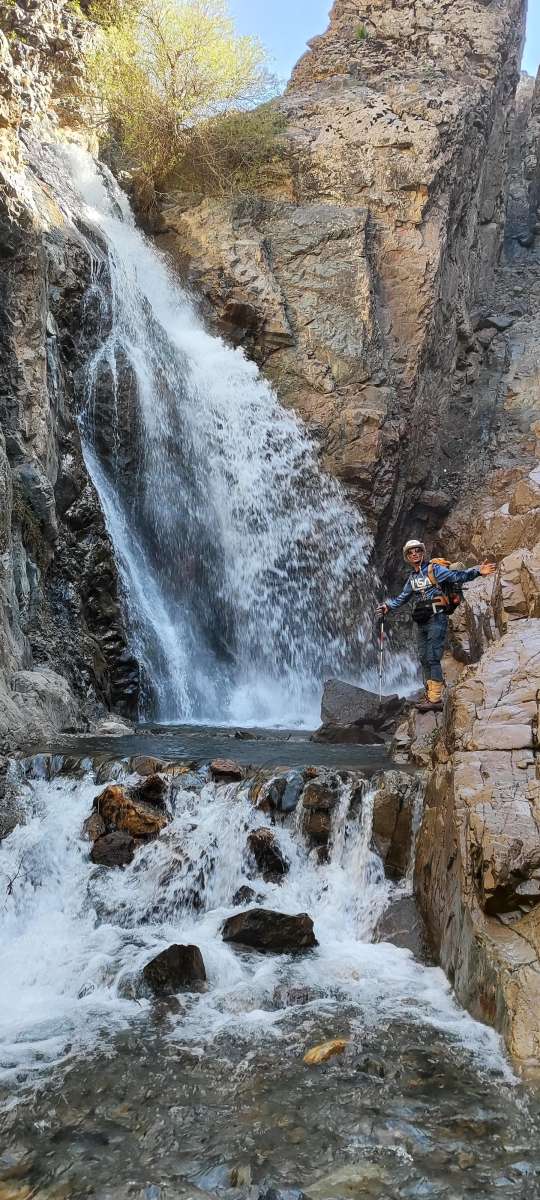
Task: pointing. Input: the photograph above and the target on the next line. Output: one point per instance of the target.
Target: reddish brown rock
(121, 812)
(226, 770)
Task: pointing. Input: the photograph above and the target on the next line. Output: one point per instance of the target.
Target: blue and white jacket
(419, 586)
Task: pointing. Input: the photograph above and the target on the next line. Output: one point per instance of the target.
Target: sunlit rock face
(357, 286)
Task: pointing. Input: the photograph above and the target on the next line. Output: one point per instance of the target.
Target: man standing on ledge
(436, 592)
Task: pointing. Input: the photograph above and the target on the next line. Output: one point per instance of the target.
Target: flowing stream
(244, 566)
(208, 1095)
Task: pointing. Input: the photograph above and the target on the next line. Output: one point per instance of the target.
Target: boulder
(113, 850)
(226, 770)
(397, 795)
(262, 929)
(121, 812)
(358, 734)
(354, 716)
(320, 794)
(153, 790)
(292, 791)
(113, 727)
(94, 827)
(343, 703)
(267, 854)
(178, 968)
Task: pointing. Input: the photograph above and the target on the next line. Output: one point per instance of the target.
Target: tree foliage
(179, 86)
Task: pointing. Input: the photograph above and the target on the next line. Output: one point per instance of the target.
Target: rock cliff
(63, 651)
(359, 287)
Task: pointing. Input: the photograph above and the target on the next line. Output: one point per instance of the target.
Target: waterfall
(244, 566)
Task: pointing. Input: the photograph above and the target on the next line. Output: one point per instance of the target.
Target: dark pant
(430, 641)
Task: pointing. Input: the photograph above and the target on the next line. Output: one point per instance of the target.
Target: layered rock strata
(63, 648)
(478, 849)
(356, 286)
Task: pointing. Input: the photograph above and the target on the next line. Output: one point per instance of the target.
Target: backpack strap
(442, 600)
(431, 575)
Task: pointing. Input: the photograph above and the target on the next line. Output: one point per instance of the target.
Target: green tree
(167, 70)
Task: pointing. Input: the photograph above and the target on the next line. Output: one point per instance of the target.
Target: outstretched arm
(445, 575)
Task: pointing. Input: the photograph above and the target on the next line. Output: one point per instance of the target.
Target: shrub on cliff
(179, 87)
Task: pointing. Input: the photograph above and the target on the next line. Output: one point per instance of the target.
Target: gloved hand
(382, 610)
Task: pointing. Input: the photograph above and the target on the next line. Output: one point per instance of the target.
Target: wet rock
(267, 854)
(122, 812)
(317, 825)
(360, 1179)
(178, 968)
(358, 734)
(113, 850)
(325, 1051)
(278, 1193)
(263, 929)
(244, 895)
(226, 770)
(94, 827)
(320, 794)
(113, 727)
(111, 770)
(144, 765)
(396, 796)
(403, 925)
(16, 1161)
(153, 790)
(292, 791)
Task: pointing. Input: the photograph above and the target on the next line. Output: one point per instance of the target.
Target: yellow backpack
(452, 592)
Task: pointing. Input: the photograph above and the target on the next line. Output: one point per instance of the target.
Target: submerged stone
(326, 1050)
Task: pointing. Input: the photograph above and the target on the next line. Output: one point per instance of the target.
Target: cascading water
(244, 565)
(100, 1081)
(75, 937)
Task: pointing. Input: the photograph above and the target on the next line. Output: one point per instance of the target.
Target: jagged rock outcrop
(478, 848)
(63, 647)
(358, 287)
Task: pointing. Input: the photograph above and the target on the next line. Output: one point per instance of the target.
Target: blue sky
(284, 25)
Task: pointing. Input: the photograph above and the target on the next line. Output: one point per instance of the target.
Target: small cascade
(75, 937)
(245, 567)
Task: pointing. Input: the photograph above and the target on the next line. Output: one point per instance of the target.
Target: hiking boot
(433, 701)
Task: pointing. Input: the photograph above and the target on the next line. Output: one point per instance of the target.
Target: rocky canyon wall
(361, 286)
(63, 649)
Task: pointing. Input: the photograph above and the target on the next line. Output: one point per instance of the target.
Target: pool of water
(201, 743)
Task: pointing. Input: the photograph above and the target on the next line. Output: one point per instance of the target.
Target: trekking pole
(381, 652)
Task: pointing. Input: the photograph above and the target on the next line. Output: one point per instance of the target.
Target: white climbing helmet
(413, 545)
